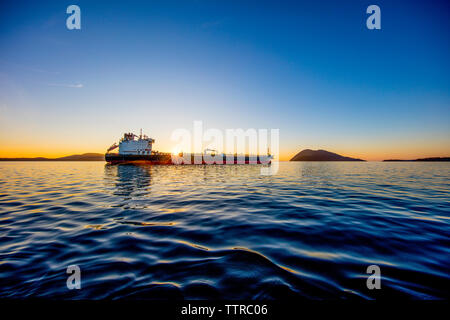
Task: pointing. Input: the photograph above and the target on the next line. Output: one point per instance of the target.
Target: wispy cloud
(75, 85)
(42, 71)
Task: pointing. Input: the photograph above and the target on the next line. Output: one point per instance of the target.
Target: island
(320, 155)
(433, 159)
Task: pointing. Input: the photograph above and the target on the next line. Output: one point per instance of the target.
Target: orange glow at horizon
(32, 141)
(376, 154)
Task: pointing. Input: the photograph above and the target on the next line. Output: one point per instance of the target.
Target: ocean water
(224, 232)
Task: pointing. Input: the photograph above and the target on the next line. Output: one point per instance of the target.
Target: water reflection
(129, 180)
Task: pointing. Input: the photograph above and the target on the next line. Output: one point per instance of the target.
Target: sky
(311, 69)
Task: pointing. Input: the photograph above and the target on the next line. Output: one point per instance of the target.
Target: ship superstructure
(132, 144)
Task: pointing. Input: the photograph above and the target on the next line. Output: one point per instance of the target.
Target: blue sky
(311, 69)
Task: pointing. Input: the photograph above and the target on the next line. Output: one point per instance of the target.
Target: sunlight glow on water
(224, 231)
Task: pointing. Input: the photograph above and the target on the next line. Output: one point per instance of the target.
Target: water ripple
(224, 232)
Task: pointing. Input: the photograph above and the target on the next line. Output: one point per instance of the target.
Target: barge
(138, 150)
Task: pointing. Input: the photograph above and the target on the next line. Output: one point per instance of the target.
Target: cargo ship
(137, 149)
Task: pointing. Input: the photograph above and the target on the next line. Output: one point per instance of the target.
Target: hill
(320, 155)
(83, 157)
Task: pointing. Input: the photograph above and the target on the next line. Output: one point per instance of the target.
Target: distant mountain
(75, 157)
(434, 159)
(320, 155)
(83, 157)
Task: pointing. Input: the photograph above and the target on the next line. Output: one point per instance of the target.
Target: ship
(138, 149)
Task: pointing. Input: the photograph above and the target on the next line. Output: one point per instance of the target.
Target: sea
(310, 231)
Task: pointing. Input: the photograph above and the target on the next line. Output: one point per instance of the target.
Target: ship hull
(138, 158)
(166, 159)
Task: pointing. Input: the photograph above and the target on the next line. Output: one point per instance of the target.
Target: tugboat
(138, 149)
